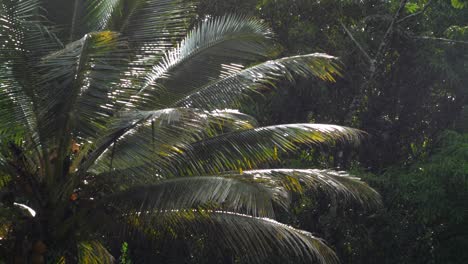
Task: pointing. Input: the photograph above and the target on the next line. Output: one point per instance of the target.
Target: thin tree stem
(441, 39)
(389, 30)
(73, 23)
(356, 42)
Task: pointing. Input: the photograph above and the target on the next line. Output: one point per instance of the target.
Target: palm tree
(121, 136)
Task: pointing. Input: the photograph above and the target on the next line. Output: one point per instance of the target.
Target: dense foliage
(426, 207)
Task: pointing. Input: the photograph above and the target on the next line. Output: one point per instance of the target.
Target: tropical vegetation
(118, 134)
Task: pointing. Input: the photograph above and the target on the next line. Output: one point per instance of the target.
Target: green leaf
(412, 7)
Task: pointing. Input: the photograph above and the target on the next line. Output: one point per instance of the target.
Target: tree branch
(390, 29)
(441, 39)
(357, 43)
(375, 62)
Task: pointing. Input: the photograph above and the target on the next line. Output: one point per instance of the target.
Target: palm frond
(249, 239)
(227, 91)
(99, 13)
(24, 31)
(84, 75)
(216, 48)
(151, 26)
(178, 116)
(156, 21)
(262, 188)
(17, 115)
(24, 37)
(341, 187)
(221, 193)
(142, 137)
(246, 149)
(93, 252)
